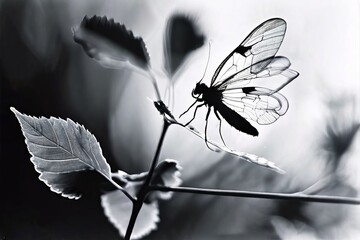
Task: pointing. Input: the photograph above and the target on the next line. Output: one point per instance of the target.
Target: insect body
(212, 97)
(249, 91)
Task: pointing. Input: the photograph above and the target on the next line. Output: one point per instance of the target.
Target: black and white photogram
(184, 120)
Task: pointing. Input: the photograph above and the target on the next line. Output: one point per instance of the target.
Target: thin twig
(145, 187)
(281, 196)
(121, 189)
(154, 82)
(320, 185)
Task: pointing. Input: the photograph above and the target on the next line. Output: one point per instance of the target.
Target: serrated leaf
(61, 150)
(167, 173)
(118, 207)
(242, 155)
(110, 43)
(162, 108)
(182, 36)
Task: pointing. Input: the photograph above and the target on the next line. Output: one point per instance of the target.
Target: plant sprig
(63, 150)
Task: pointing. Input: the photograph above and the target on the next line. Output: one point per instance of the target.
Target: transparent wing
(260, 102)
(275, 75)
(259, 46)
(261, 105)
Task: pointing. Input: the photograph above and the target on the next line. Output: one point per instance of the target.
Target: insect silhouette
(241, 92)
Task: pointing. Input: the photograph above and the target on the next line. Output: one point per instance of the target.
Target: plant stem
(320, 185)
(121, 189)
(166, 125)
(154, 82)
(145, 187)
(281, 196)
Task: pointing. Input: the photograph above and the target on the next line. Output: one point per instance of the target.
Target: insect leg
(197, 107)
(188, 109)
(218, 117)
(206, 125)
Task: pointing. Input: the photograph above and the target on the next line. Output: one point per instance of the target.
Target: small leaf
(118, 209)
(131, 183)
(110, 43)
(61, 151)
(167, 173)
(182, 36)
(162, 108)
(341, 128)
(242, 155)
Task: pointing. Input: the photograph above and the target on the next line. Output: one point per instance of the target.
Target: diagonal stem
(154, 82)
(321, 184)
(145, 187)
(121, 189)
(264, 195)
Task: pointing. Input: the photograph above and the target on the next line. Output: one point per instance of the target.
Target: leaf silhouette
(118, 207)
(341, 128)
(61, 151)
(167, 173)
(242, 155)
(110, 43)
(182, 36)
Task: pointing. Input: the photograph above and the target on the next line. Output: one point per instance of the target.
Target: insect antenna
(192, 93)
(207, 63)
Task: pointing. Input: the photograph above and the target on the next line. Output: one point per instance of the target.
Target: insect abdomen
(235, 120)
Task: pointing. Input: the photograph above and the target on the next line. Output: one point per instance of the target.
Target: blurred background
(45, 73)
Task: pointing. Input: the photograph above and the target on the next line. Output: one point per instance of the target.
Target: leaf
(167, 173)
(61, 151)
(182, 36)
(288, 230)
(162, 108)
(242, 155)
(118, 209)
(131, 183)
(110, 43)
(340, 128)
(221, 217)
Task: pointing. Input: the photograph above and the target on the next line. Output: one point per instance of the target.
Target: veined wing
(275, 76)
(260, 102)
(261, 105)
(261, 44)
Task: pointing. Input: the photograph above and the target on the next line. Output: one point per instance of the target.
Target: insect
(241, 92)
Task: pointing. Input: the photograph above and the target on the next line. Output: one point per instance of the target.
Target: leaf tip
(16, 112)
(279, 170)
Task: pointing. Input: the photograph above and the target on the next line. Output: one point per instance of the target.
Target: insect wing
(274, 76)
(263, 42)
(259, 46)
(260, 102)
(261, 105)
